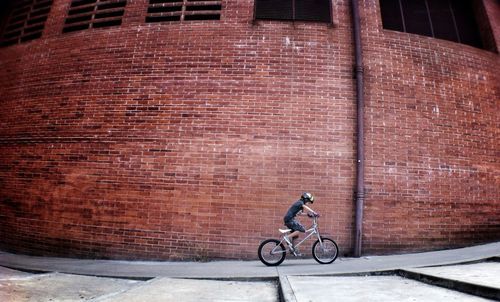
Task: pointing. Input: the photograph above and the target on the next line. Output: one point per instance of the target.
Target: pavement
(466, 274)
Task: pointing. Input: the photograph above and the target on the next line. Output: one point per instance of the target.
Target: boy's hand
(313, 214)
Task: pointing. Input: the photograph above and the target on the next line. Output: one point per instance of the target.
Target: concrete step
(480, 279)
(387, 288)
(59, 287)
(194, 290)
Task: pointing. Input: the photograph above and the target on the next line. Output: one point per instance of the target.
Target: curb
(461, 286)
(286, 293)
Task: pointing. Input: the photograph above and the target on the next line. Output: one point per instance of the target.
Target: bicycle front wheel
(272, 252)
(325, 253)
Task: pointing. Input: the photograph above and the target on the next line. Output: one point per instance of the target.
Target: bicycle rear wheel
(326, 253)
(271, 252)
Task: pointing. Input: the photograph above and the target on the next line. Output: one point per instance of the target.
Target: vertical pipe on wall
(360, 164)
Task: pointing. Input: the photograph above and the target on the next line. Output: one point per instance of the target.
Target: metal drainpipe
(360, 163)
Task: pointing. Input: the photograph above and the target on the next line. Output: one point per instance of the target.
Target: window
(293, 10)
(25, 21)
(444, 19)
(85, 14)
(178, 10)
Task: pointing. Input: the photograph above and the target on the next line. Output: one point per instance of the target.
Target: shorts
(295, 225)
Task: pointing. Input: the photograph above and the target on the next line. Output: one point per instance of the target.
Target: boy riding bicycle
(297, 209)
(272, 252)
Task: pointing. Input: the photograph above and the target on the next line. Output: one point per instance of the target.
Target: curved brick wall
(189, 140)
(432, 141)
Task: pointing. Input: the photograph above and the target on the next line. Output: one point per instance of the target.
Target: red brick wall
(174, 140)
(190, 140)
(492, 10)
(431, 142)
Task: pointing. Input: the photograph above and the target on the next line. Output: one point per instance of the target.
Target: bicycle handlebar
(313, 215)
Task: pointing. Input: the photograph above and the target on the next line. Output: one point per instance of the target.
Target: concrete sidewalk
(293, 280)
(245, 269)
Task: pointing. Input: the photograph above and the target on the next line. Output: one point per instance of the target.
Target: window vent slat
(445, 19)
(25, 22)
(293, 10)
(86, 14)
(175, 10)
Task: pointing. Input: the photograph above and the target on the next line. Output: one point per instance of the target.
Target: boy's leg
(292, 237)
(297, 229)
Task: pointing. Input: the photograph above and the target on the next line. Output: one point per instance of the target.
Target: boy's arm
(309, 209)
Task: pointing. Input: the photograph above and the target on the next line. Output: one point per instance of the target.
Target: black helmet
(307, 197)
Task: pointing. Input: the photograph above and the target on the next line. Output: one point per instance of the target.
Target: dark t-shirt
(294, 209)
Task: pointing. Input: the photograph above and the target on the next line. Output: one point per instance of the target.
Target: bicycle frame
(310, 232)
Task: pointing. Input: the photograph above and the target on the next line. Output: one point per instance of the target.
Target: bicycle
(272, 252)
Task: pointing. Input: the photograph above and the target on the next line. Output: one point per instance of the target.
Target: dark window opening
(201, 17)
(178, 10)
(203, 7)
(81, 11)
(76, 3)
(86, 14)
(105, 6)
(163, 19)
(72, 28)
(79, 19)
(22, 21)
(164, 9)
(107, 23)
(293, 10)
(444, 19)
(109, 15)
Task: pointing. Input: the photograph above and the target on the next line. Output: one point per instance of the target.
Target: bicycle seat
(283, 231)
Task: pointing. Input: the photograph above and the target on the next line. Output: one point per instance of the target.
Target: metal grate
(293, 10)
(85, 14)
(183, 10)
(25, 22)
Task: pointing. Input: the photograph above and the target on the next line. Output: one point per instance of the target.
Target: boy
(293, 224)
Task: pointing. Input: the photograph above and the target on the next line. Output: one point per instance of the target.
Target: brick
(190, 140)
